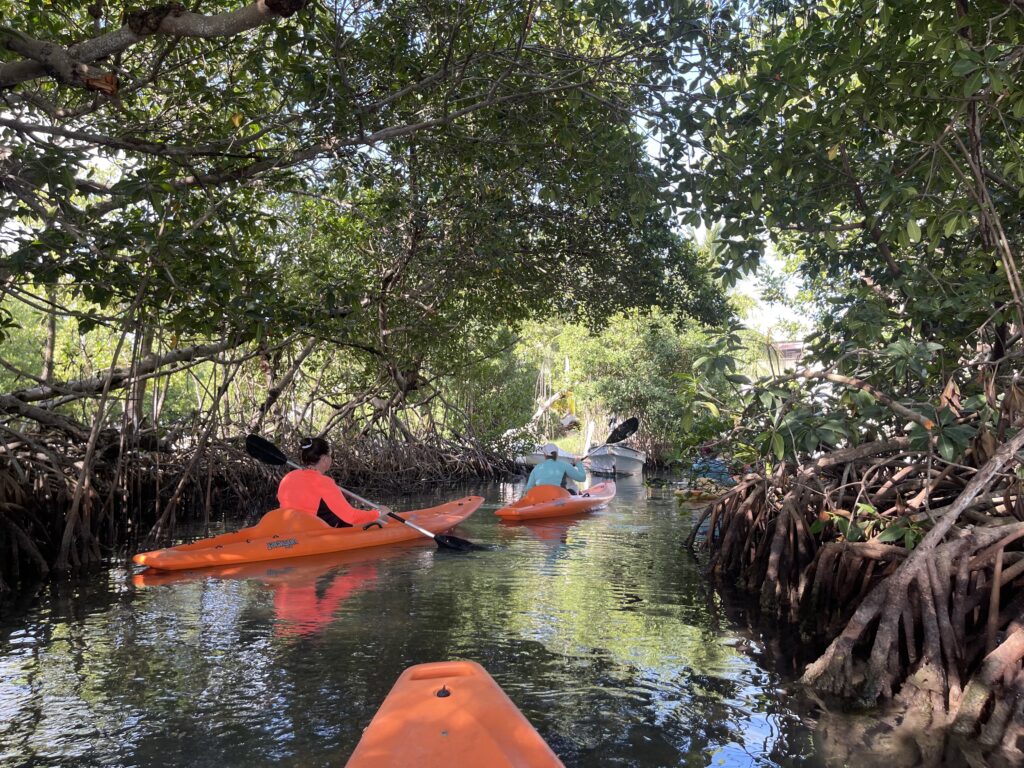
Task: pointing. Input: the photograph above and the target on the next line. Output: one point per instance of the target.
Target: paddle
(620, 433)
(268, 453)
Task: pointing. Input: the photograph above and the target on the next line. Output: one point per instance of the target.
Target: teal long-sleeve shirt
(550, 472)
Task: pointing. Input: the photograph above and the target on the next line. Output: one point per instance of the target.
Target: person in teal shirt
(552, 469)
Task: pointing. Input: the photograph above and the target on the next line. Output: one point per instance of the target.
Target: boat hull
(284, 533)
(611, 460)
(552, 501)
(450, 713)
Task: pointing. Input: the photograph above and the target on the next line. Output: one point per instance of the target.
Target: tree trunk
(51, 337)
(135, 401)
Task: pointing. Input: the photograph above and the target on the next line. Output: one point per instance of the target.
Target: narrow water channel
(600, 628)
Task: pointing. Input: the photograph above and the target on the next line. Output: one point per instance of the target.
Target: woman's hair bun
(313, 448)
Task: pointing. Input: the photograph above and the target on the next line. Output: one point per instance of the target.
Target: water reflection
(598, 627)
(306, 591)
(549, 529)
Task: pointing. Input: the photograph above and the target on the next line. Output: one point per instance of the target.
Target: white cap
(550, 448)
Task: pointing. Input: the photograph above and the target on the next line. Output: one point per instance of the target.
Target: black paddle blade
(624, 430)
(264, 450)
(454, 542)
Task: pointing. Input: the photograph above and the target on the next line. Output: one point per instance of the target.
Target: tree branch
(70, 65)
(894, 405)
(120, 376)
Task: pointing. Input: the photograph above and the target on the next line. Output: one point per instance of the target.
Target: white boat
(617, 459)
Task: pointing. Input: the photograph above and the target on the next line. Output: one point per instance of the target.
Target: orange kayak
(450, 713)
(284, 533)
(552, 501)
(293, 570)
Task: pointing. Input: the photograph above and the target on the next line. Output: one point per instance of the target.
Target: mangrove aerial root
(929, 615)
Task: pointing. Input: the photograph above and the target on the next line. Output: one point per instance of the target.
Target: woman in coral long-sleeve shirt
(304, 489)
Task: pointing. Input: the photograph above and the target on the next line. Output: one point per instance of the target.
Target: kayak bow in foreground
(450, 713)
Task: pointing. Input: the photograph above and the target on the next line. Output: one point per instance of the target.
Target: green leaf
(852, 532)
(778, 446)
(947, 448)
(711, 407)
(964, 67)
(894, 532)
(973, 83)
(811, 442)
(913, 230)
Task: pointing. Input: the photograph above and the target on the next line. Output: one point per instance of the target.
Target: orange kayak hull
(285, 533)
(473, 724)
(552, 501)
(289, 571)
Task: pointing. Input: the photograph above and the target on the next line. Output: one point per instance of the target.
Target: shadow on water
(599, 626)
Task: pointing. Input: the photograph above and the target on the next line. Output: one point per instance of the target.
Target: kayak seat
(287, 521)
(541, 493)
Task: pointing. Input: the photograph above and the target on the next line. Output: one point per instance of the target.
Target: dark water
(600, 628)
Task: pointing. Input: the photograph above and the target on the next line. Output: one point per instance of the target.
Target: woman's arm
(576, 472)
(338, 504)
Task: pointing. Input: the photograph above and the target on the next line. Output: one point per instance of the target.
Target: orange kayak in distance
(450, 713)
(552, 501)
(284, 533)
